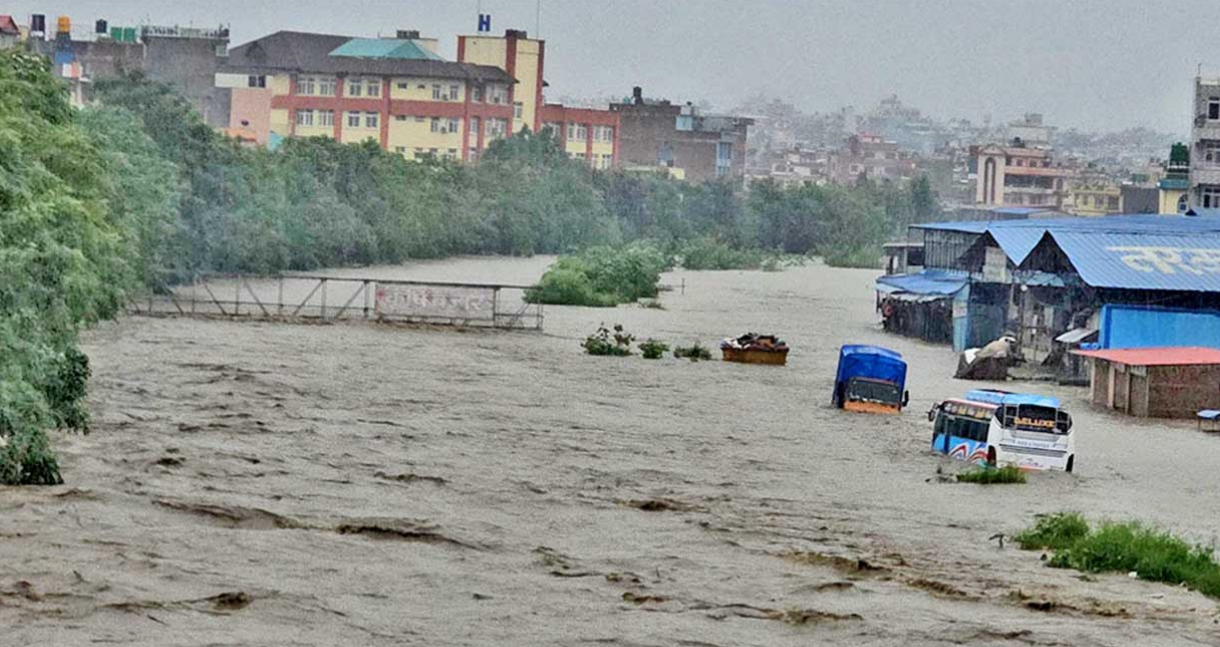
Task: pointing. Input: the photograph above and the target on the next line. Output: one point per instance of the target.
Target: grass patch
(860, 257)
(694, 352)
(1125, 547)
(653, 349)
(992, 475)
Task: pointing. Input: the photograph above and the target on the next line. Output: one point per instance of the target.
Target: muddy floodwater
(356, 484)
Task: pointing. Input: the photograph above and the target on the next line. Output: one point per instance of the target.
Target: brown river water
(355, 484)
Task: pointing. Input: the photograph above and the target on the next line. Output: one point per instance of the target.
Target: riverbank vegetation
(1124, 547)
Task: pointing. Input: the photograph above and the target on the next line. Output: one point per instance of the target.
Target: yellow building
(1098, 199)
(523, 58)
(1175, 186)
(394, 91)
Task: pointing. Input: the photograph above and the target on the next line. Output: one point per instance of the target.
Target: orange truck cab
(870, 379)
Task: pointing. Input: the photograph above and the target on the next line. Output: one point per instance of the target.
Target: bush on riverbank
(706, 253)
(68, 254)
(1125, 547)
(602, 277)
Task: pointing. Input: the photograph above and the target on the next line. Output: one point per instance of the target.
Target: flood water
(355, 484)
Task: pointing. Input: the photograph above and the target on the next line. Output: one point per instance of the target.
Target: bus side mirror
(932, 412)
(1064, 421)
(906, 398)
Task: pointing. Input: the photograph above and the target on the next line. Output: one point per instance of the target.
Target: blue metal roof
(1186, 261)
(932, 282)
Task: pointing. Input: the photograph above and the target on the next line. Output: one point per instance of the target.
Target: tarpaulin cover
(927, 282)
(872, 362)
(991, 396)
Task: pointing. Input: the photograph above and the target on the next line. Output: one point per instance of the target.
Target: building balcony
(1205, 129)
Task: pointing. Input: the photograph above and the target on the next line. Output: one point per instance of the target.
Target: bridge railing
(298, 296)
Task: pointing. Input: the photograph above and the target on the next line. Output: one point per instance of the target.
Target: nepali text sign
(1170, 260)
(445, 302)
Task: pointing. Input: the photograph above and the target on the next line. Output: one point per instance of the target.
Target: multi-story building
(1205, 145)
(1095, 198)
(185, 58)
(587, 134)
(401, 94)
(1018, 176)
(397, 92)
(869, 155)
(659, 134)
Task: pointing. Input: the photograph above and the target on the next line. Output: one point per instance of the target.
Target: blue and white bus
(1029, 431)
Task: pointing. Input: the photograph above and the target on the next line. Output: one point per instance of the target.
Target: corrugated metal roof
(928, 282)
(385, 48)
(1017, 242)
(1144, 260)
(1170, 356)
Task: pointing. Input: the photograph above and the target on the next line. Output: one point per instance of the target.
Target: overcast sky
(1094, 64)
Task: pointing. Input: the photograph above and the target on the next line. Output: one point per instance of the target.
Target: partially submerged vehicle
(1000, 428)
(870, 379)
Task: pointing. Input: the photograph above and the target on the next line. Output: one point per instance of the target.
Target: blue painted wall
(1149, 327)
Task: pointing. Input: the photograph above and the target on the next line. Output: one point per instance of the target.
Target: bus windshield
(1030, 417)
(865, 390)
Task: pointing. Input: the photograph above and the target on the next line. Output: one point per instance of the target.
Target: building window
(455, 91)
(1183, 203)
(1209, 197)
(607, 161)
(257, 81)
(304, 117)
(371, 119)
(404, 85)
(453, 125)
(326, 117)
(436, 124)
(305, 86)
(401, 150)
(724, 158)
(497, 94)
(326, 86)
(497, 127)
(400, 117)
(373, 87)
(518, 110)
(353, 120)
(436, 92)
(603, 133)
(476, 93)
(1211, 153)
(474, 124)
(578, 132)
(452, 154)
(1213, 108)
(355, 87)
(472, 154)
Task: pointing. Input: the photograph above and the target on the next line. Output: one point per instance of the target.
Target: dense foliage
(602, 276)
(1126, 547)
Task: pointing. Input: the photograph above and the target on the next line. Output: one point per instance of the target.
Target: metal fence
(289, 297)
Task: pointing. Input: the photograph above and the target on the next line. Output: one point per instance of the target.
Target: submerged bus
(1031, 432)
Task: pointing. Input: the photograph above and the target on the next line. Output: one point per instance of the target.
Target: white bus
(1029, 431)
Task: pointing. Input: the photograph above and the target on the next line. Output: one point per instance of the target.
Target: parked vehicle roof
(1164, 356)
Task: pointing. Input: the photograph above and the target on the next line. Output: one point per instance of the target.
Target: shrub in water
(990, 475)
(603, 342)
(653, 349)
(707, 253)
(602, 276)
(694, 352)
